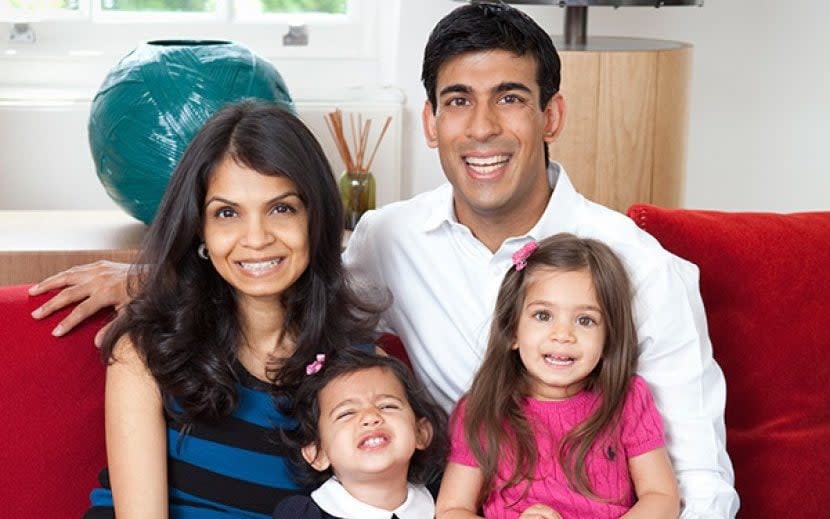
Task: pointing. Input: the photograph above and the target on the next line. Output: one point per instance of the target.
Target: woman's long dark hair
(183, 319)
(494, 421)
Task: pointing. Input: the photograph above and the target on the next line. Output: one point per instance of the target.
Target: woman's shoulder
(124, 350)
(126, 364)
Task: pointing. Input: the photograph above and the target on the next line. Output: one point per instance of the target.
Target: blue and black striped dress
(233, 468)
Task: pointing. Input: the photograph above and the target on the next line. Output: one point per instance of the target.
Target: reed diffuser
(357, 184)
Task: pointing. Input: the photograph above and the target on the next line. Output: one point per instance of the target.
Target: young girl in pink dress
(556, 424)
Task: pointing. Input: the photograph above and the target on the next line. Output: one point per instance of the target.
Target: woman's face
(255, 230)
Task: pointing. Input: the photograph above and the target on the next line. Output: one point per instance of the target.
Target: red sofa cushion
(392, 345)
(766, 287)
(52, 441)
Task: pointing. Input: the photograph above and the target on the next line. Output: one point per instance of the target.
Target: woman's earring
(202, 251)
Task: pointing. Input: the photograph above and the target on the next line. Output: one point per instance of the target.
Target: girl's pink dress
(640, 430)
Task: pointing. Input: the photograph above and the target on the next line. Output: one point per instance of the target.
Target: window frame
(98, 33)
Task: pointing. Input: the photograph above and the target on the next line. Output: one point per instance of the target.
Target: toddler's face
(368, 431)
(561, 332)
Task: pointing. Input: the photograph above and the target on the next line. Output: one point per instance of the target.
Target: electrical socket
(297, 36)
(22, 33)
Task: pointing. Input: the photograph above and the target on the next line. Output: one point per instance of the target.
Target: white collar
(444, 212)
(336, 500)
(563, 207)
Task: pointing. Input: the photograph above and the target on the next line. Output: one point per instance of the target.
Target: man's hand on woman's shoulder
(93, 286)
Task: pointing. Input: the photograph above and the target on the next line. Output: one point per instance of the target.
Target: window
(312, 28)
(61, 8)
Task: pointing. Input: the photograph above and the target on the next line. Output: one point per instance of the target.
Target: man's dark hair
(483, 26)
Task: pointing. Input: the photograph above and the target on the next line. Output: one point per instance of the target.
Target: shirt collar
(562, 203)
(336, 500)
(443, 211)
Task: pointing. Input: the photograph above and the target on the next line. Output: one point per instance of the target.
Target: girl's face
(256, 230)
(561, 332)
(368, 431)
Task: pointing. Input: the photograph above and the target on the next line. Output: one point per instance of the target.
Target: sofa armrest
(53, 410)
(766, 288)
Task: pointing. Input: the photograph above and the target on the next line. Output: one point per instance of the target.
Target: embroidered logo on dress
(610, 453)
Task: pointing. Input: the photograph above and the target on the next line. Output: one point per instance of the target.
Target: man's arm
(689, 387)
(96, 285)
(362, 262)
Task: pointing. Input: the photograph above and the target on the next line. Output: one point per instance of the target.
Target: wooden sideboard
(626, 119)
(37, 244)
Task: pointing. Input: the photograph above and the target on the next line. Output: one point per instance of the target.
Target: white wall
(54, 170)
(759, 110)
(46, 90)
(760, 107)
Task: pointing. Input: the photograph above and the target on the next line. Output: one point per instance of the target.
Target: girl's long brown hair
(494, 423)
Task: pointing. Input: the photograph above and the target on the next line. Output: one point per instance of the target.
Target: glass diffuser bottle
(357, 192)
(356, 184)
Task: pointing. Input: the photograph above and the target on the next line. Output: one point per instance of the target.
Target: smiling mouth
(375, 441)
(486, 165)
(558, 360)
(259, 267)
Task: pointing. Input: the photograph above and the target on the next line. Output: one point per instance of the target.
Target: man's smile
(486, 165)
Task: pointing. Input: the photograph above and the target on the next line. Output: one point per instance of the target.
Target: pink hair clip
(521, 255)
(317, 365)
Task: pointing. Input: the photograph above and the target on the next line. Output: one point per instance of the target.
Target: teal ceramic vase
(153, 102)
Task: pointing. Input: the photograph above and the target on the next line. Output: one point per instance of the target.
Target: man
(492, 79)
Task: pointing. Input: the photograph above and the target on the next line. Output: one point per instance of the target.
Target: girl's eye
(225, 212)
(542, 315)
(344, 414)
(389, 406)
(584, 320)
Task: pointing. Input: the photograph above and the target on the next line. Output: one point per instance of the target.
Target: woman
(242, 286)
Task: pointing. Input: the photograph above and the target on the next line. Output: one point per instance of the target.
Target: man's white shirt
(444, 284)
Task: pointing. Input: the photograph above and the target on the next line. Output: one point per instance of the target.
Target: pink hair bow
(521, 255)
(317, 365)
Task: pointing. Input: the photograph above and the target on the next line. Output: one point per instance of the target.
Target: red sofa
(765, 283)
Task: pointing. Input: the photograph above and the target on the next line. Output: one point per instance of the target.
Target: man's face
(489, 130)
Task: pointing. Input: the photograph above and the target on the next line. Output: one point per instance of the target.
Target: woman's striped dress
(233, 468)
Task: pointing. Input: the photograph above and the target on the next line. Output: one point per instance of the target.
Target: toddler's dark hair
(426, 464)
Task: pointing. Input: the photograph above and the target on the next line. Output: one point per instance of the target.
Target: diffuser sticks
(354, 156)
